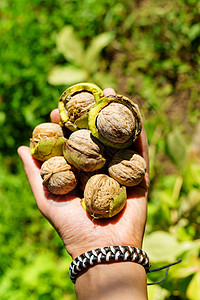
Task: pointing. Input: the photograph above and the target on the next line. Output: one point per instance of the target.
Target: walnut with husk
(83, 151)
(103, 196)
(127, 167)
(116, 121)
(75, 103)
(47, 141)
(58, 176)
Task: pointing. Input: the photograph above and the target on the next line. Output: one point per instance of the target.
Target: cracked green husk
(81, 122)
(47, 148)
(93, 113)
(117, 203)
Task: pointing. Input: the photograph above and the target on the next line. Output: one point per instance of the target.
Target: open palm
(77, 229)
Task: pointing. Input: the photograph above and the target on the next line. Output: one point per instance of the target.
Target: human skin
(81, 233)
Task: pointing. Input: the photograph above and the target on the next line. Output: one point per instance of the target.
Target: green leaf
(93, 51)
(70, 45)
(194, 32)
(189, 265)
(193, 290)
(157, 293)
(2, 117)
(163, 247)
(192, 174)
(105, 80)
(176, 148)
(66, 75)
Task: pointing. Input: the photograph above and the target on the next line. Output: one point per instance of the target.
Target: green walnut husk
(75, 103)
(116, 121)
(103, 197)
(84, 152)
(47, 141)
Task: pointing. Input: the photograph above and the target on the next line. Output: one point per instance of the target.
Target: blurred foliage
(33, 260)
(85, 63)
(147, 50)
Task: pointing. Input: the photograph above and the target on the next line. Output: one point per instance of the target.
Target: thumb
(32, 169)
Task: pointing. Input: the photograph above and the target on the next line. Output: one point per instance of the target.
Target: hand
(76, 228)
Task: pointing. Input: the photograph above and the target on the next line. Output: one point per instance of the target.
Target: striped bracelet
(105, 255)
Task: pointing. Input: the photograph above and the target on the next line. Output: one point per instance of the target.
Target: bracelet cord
(105, 255)
(161, 268)
(111, 254)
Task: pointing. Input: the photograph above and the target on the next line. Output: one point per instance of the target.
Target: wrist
(116, 280)
(78, 249)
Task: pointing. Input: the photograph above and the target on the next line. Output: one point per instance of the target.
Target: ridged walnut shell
(58, 176)
(47, 141)
(116, 121)
(75, 103)
(83, 151)
(103, 196)
(127, 167)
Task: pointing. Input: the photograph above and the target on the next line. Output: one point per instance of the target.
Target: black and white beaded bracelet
(105, 255)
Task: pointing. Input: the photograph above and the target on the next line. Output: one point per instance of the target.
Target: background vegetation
(147, 50)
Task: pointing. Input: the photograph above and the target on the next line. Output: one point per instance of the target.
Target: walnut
(127, 167)
(79, 104)
(103, 196)
(115, 120)
(75, 103)
(119, 120)
(58, 176)
(83, 151)
(47, 141)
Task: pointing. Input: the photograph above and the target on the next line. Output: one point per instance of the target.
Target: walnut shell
(103, 196)
(58, 176)
(83, 151)
(116, 121)
(75, 103)
(47, 141)
(46, 131)
(127, 167)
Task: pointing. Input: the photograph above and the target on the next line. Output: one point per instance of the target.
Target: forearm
(121, 280)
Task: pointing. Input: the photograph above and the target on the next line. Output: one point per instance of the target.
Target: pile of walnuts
(90, 148)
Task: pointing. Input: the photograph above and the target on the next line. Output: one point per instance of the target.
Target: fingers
(32, 169)
(55, 116)
(109, 91)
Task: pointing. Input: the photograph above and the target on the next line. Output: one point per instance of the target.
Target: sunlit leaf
(193, 290)
(66, 75)
(70, 45)
(95, 48)
(162, 246)
(105, 80)
(190, 262)
(194, 32)
(194, 174)
(157, 293)
(2, 117)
